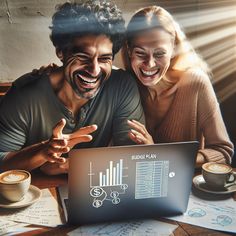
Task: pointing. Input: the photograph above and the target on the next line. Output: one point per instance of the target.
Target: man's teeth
(86, 80)
(89, 81)
(149, 73)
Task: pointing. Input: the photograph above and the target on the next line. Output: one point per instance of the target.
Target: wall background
(209, 24)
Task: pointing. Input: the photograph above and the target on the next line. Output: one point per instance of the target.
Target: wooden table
(51, 182)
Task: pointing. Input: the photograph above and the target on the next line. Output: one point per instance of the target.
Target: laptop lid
(127, 182)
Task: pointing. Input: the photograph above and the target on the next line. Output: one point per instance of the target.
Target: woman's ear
(59, 54)
(173, 54)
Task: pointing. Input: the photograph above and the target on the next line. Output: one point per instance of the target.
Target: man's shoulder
(26, 79)
(27, 86)
(120, 76)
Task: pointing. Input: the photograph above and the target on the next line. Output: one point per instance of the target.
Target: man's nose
(94, 68)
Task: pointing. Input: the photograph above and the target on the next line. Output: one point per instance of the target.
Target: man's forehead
(92, 43)
(97, 41)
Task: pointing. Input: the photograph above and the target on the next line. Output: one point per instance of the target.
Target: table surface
(51, 182)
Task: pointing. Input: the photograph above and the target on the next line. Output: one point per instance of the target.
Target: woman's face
(150, 55)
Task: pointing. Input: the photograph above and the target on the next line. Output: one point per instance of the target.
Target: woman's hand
(139, 133)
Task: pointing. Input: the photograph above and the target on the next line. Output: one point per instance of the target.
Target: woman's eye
(158, 54)
(140, 54)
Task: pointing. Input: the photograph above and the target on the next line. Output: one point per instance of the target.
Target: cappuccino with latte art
(14, 184)
(13, 176)
(218, 175)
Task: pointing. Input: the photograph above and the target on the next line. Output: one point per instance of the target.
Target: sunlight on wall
(210, 26)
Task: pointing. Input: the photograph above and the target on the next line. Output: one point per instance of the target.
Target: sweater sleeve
(217, 146)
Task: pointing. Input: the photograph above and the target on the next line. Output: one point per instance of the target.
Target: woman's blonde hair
(157, 17)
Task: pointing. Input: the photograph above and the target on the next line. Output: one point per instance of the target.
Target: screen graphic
(151, 179)
(108, 185)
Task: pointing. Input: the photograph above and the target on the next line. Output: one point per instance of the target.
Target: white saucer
(31, 197)
(200, 184)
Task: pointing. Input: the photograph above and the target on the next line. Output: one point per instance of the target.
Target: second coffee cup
(217, 175)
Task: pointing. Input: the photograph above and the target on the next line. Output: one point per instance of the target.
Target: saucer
(31, 197)
(200, 184)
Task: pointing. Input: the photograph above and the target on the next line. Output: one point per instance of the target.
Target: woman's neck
(164, 86)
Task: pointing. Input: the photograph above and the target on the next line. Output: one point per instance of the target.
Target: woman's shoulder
(196, 78)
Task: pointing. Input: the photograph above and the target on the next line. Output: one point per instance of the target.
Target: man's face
(88, 64)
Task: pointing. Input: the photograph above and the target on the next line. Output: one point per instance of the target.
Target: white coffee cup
(14, 184)
(218, 175)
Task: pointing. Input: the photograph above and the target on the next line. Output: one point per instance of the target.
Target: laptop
(129, 182)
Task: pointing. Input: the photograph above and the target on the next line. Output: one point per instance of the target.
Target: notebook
(128, 182)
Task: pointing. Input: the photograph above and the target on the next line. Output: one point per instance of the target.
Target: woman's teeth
(149, 73)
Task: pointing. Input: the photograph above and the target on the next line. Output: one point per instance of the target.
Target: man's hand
(139, 133)
(55, 168)
(61, 143)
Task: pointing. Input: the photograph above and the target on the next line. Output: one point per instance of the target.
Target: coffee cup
(218, 175)
(14, 184)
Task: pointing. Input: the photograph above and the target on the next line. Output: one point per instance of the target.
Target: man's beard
(85, 93)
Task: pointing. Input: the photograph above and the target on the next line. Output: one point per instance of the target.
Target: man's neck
(65, 93)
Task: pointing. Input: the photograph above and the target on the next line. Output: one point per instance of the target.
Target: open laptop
(129, 182)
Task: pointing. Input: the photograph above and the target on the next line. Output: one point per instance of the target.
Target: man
(83, 103)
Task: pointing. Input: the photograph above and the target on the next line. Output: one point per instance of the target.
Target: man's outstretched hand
(60, 143)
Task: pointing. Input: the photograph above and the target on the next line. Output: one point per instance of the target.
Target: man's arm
(49, 151)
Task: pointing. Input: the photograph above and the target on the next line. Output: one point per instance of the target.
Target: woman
(177, 95)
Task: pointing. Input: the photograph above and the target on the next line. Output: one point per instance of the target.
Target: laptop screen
(118, 183)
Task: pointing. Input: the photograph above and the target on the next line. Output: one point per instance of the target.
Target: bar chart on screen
(107, 184)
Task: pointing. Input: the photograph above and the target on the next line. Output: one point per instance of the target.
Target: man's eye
(82, 58)
(105, 59)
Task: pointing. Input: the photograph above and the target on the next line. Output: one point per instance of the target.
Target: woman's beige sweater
(195, 115)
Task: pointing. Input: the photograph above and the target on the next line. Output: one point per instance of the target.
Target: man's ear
(59, 54)
(127, 49)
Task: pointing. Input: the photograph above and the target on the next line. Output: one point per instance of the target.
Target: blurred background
(210, 26)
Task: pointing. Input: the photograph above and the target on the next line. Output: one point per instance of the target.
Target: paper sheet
(45, 212)
(216, 212)
(138, 227)
(11, 228)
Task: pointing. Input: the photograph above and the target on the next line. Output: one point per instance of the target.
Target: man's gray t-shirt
(31, 109)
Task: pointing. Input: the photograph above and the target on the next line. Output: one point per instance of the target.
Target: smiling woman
(177, 95)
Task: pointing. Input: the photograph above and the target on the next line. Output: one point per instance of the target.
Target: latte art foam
(218, 168)
(13, 177)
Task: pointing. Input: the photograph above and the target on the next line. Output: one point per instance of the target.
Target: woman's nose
(150, 61)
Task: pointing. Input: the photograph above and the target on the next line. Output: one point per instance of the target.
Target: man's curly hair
(89, 17)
